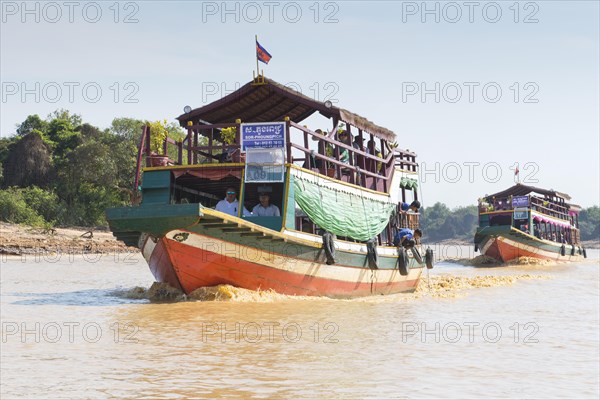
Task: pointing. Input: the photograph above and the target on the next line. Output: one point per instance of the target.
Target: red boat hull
(189, 267)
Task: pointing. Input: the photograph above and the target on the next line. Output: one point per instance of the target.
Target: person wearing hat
(324, 148)
(230, 204)
(265, 208)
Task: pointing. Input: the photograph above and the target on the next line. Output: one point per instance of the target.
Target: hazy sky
(472, 87)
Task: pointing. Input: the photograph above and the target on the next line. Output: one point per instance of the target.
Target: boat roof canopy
(522, 190)
(271, 101)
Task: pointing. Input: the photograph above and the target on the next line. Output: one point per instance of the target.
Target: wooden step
(236, 229)
(218, 225)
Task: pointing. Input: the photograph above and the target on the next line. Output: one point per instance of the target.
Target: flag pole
(256, 54)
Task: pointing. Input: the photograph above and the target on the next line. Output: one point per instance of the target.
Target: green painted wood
(156, 180)
(156, 187)
(155, 219)
(273, 223)
(290, 212)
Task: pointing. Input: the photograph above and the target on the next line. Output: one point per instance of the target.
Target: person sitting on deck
(407, 237)
(265, 208)
(230, 204)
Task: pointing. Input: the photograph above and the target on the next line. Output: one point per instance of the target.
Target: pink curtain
(212, 174)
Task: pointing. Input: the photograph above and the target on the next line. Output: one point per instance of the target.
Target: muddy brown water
(87, 327)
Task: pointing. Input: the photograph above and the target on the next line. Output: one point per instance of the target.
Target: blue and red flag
(262, 54)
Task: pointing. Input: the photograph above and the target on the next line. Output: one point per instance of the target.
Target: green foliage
(14, 208)
(44, 203)
(228, 134)
(158, 135)
(92, 201)
(31, 123)
(65, 171)
(440, 223)
(589, 223)
(28, 162)
(127, 128)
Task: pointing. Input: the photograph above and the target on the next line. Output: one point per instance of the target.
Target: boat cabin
(545, 214)
(253, 141)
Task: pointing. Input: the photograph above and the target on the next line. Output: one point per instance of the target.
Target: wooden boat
(339, 204)
(525, 221)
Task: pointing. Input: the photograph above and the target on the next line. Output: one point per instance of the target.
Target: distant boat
(339, 203)
(525, 221)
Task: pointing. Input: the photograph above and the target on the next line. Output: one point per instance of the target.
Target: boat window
(264, 165)
(206, 186)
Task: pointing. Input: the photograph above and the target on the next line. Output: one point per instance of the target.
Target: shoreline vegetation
(16, 239)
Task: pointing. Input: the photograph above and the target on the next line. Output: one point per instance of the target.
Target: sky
(474, 88)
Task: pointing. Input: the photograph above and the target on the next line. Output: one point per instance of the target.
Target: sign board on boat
(521, 213)
(520, 201)
(264, 135)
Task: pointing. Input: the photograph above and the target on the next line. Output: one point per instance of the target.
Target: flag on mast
(262, 54)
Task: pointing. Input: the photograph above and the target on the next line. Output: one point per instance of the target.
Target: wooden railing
(362, 163)
(365, 166)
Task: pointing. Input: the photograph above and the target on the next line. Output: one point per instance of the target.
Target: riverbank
(20, 239)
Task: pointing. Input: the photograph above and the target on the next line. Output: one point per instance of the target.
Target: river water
(75, 327)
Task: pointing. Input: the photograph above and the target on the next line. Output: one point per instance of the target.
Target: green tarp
(344, 213)
(409, 183)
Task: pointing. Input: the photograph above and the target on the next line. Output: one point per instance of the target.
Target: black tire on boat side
(329, 247)
(403, 262)
(476, 248)
(584, 253)
(417, 255)
(572, 249)
(563, 250)
(429, 258)
(372, 253)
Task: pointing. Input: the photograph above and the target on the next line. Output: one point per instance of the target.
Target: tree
(28, 162)
(31, 123)
(589, 223)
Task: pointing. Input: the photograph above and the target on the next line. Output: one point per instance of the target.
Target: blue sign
(520, 201)
(264, 135)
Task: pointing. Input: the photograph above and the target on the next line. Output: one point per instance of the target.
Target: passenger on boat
(265, 208)
(230, 204)
(317, 162)
(407, 237)
(344, 155)
(414, 206)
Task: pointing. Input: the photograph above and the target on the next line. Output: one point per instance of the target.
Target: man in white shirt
(264, 208)
(230, 204)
